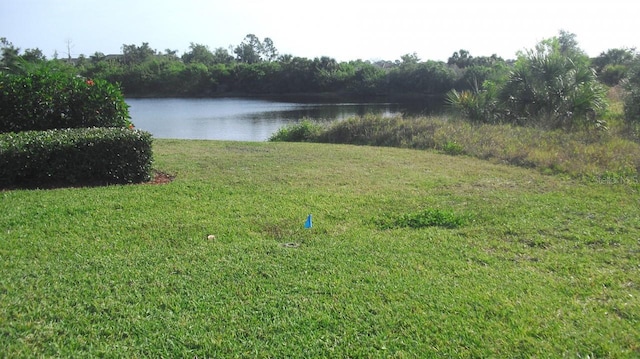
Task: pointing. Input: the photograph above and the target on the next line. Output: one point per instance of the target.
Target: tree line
(255, 67)
(555, 81)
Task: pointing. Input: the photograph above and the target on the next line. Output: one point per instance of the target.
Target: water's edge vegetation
(603, 156)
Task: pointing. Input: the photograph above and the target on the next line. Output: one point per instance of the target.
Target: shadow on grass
(157, 177)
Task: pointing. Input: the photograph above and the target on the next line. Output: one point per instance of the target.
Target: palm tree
(553, 87)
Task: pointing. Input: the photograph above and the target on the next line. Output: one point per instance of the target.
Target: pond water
(241, 119)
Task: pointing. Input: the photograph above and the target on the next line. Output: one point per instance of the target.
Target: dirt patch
(160, 177)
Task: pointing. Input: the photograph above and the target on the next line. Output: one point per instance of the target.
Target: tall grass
(610, 155)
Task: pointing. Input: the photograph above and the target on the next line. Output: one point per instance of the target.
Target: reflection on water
(243, 119)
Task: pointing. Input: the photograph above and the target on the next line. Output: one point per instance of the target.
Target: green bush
(368, 130)
(611, 75)
(372, 130)
(551, 86)
(632, 97)
(476, 105)
(100, 155)
(305, 131)
(49, 97)
(453, 148)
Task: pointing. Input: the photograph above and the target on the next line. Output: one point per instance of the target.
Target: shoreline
(325, 97)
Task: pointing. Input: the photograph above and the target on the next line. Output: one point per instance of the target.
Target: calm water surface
(242, 119)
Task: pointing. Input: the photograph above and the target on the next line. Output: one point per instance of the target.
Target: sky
(341, 29)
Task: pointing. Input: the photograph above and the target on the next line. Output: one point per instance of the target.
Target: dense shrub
(551, 86)
(632, 97)
(104, 155)
(48, 97)
(374, 130)
(430, 77)
(476, 105)
(305, 131)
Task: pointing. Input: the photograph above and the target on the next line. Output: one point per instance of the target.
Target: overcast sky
(342, 29)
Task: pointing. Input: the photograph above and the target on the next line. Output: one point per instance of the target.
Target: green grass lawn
(540, 266)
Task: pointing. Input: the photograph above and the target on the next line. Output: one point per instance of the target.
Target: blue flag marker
(308, 223)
